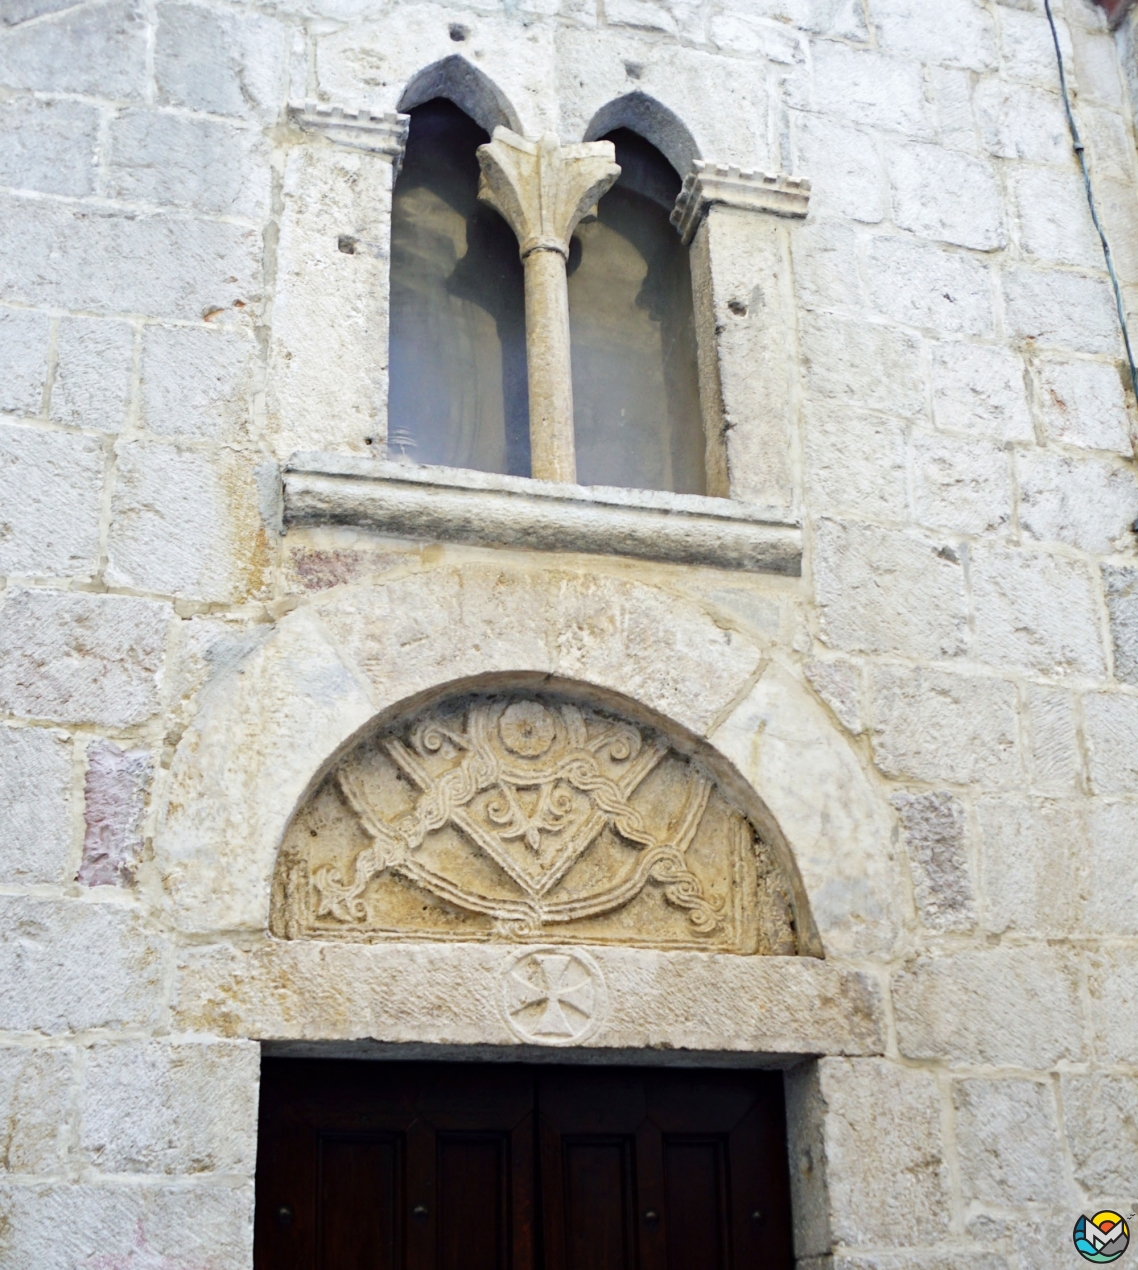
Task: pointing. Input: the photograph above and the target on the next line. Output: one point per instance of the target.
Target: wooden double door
(431, 1166)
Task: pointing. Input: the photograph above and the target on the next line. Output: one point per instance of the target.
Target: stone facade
(902, 655)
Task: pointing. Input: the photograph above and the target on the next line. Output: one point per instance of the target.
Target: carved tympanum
(528, 816)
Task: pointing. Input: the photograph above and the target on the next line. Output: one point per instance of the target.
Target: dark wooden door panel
(377, 1166)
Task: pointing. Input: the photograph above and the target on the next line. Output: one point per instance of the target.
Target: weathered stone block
(1120, 582)
(48, 146)
(1112, 742)
(35, 1093)
(1112, 834)
(862, 364)
(946, 292)
(153, 1107)
(99, 51)
(942, 194)
(1022, 123)
(17, 11)
(50, 491)
(1096, 69)
(840, 18)
(952, 93)
(855, 463)
(35, 805)
(1061, 309)
(223, 61)
(203, 164)
(81, 658)
(1007, 1138)
(1035, 610)
(1084, 403)
(934, 726)
(838, 683)
(1030, 854)
(1054, 218)
(58, 1226)
(114, 803)
(1100, 1114)
(933, 834)
(825, 257)
(70, 965)
(94, 364)
(806, 1149)
(980, 390)
(1027, 45)
(185, 523)
(66, 256)
(196, 382)
(880, 591)
(23, 360)
(955, 33)
(867, 88)
(1055, 761)
(961, 487)
(675, 17)
(884, 1153)
(847, 175)
(1000, 1006)
(1089, 503)
(1112, 983)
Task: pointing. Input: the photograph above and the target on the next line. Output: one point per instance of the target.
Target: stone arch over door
(268, 729)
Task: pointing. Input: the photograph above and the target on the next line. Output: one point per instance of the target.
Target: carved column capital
(709, 184)
(543, 188)
(384, 134)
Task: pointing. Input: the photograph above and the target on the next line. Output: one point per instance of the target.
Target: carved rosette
(524, 816)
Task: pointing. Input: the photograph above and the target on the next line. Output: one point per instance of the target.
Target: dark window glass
(635, 375)
(458, 363)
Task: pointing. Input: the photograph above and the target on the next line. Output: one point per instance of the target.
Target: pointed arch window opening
(458, 392)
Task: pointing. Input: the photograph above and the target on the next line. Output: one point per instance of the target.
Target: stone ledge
(448, 994)
(485, 509)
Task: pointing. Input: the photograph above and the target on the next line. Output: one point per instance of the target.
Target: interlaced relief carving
(518, 814)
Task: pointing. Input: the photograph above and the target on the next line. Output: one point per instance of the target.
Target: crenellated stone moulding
(529, 817)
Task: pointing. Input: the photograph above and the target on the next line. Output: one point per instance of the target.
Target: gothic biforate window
(457, 356)
(541, 308)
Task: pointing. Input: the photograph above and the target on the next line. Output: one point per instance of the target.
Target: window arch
(631, 317)
(457, 394)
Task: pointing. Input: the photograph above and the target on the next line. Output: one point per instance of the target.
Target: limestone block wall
(966, 623)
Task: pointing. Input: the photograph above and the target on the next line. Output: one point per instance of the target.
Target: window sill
(485, 509)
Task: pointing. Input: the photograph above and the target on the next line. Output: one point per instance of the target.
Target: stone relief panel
(528, 816)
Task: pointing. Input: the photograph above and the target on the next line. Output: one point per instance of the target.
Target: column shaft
(552, 454)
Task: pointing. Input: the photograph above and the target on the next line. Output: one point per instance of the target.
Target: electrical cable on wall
(1077, 142)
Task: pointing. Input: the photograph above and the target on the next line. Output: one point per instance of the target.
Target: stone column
(736, 223)
(543, 189)
(327, 386)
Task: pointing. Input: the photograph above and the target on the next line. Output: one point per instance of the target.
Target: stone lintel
(486, 509)
(360, 129)
(708, 184)
(440, 994)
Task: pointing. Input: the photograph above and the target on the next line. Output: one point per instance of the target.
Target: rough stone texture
(1112, 982)
(1120, 582)
(1112, 742)
(918, 285)
(81, 658)
(944, 195)
(35, 805)
(1030, 857)
(932, 830)
(1084, 403)
(935, 726)
(838, 683)
(94, 365)
(114, 804)
(884, 592)
(1087, 503)
(50, 488)
(71, 965)
(48, 146)
(1001, 1006)
(195, 382)
(835, 351)
(154, 1107)
(23, 360)
(1061, 309)
(1100, 1114)
(35, 1090)
(980, 389)
(962, 487)
(1008, 1141)
(99, 49)
(1111, 830)
(1035, 610)
(856, 463)
(184, 525)
(1055, 759)
(878, 1112)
